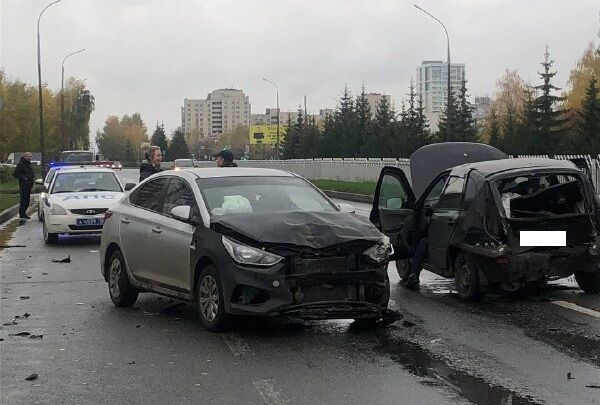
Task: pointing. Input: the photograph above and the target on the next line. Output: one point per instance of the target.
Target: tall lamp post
(277, 96)
(42, 135)
(62, 98)
(449, 106)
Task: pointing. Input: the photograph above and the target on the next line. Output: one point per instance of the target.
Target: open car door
(393, 210)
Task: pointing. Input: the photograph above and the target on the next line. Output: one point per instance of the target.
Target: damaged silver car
(246, 242)
(491, 221)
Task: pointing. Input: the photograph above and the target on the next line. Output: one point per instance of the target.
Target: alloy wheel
(114, 276)
(208, 298)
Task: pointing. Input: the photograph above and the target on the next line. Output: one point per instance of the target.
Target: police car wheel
(121, 292)
(49, 238)
(466, 278)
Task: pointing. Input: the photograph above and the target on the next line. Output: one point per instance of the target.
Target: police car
(76, 200)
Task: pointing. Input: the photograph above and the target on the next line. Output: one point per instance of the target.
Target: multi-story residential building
(222, 111)
(374, 100)
(432, 85)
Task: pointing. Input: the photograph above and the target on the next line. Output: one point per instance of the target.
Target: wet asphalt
(522, 348)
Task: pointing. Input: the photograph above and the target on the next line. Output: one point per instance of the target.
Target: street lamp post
(277, 96)
(449, 106)
(42, 135)
(62, 98)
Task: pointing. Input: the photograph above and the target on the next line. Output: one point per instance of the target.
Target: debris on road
(131, 362)
(408, 324)
(32, 377)
(24, 297)
(65, 260)
(11, 246)
(569, 377)
(36, 336)
(593, 386)
(13, 322)
(20, 334)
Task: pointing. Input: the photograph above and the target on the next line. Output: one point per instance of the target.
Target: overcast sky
(148, 55)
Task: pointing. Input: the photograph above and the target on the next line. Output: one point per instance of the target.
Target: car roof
(210, 172)
(493, 167)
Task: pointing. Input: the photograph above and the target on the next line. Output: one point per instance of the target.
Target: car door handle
(125, 221)
(156, 230)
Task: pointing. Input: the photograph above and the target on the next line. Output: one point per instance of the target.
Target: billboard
(266, 134)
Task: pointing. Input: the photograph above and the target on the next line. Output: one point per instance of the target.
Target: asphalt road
(541, 347)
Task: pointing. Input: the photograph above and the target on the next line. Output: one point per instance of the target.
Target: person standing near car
(24, 172)
(152, 162)
(225, 159)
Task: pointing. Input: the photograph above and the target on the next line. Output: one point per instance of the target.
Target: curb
(362, 198)
(8, 213)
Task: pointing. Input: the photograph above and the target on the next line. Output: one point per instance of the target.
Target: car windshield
(77, 157)
(85, 181)
(184, 163)
(237, 195)
(546, 195)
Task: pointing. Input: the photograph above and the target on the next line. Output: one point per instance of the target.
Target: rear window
(545, 195)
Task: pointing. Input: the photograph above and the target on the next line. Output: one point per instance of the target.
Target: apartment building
(222, 111)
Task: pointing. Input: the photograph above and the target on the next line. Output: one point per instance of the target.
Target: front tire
(49, 238)
(589, 282)
(466, 278)
(121, 292)
(209, 296)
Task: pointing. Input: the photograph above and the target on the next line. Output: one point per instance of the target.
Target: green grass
(8, 200)
(356, 187)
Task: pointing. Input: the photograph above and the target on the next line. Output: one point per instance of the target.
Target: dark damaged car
(489, 221)
(241, 241)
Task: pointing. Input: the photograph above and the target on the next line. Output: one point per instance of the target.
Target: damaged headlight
(379, 252)
(245, 254)
(56, 209)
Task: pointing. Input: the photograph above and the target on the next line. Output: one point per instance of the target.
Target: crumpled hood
(305, 229)
(88, 199)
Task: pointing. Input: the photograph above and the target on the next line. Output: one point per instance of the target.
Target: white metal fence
(363, 169)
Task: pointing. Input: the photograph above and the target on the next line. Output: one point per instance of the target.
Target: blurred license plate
(333, 264)
(90, 221)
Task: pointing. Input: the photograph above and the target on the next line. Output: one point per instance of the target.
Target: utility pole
(448, 104)
(62, 99)
(277, 96)
(41, 101)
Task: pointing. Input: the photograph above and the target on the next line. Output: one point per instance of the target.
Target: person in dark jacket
(152, 163)
(24, 172)
(225, 159)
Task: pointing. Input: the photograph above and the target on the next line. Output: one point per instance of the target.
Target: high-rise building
(222, 111)
(432, 86)
(374, 99)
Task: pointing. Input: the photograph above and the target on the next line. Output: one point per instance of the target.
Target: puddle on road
(421, 363)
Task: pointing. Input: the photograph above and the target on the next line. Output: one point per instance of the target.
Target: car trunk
(546, 202)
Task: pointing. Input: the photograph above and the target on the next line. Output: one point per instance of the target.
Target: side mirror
(347, 208)
(428, 210)
(181, 212)
(39, 181)
(129, 186)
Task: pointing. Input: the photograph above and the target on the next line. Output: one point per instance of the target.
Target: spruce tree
(159, 138)
(340, 133)
(449, 125)
(587, 129)
(291, 146)
(384, 130)
(493, 129)
(467, 130)
(363, 121)
(550, 120)
(178, 148)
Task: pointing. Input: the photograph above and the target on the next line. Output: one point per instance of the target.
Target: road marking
(575, 307)
(236, 344)
(266, 389)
